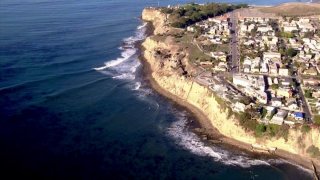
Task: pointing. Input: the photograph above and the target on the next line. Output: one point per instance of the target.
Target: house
(273, 69)
(270, 41)
(241, 81)
(264, 29)
(222, 66)
(251, 27)
(264, 68)
(205, 63)
(316, 93)
(290, 28)
(290, 123)
(190, 29)
(247, 65)
(312, 82)
(262, 97)
(282, 92)
(299, 116)
(277, 102)
(239, 107)
(243, 28)
(283, 72)
(219, 55)
(271, 55)
(312, 71)
(279, 117)
(269, 81)
(286, 82)
(292, 105)
(270, 110)
(246, 68)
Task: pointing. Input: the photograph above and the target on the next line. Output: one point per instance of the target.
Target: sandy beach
(206, 126)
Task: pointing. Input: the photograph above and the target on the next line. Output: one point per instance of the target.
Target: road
(235, 58)
(305, 105)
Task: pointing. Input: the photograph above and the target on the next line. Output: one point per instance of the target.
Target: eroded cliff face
(157, 18)
(165, 58)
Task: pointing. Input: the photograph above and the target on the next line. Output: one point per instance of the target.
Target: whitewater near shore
(200, 100)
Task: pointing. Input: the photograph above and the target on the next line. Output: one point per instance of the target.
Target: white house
(283, 72)
(279, 117)
(271, 55)
(239, 107)
(276, 102)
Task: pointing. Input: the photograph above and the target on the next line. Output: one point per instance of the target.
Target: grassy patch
(316, 119)
(305, 128)
(314, 151)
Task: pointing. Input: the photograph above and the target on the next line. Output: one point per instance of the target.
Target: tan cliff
(170, 68)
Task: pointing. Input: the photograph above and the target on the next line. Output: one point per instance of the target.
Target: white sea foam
(142, 26)
(125, 66)
(137, 86)
(193, 143)
(125, 55)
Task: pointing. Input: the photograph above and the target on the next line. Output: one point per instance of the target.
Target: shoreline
(207, 129)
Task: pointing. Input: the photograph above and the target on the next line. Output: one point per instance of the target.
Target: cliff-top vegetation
(183, 16)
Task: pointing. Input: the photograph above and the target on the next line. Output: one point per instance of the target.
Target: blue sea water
(74, 103)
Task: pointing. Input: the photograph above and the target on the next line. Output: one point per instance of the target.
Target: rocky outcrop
(165, 59)
(157, 18)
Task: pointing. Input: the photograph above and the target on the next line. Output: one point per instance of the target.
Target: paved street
(233, 46)
(305, 106)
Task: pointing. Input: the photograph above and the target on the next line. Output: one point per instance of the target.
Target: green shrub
(284, 131)
(286, 35)
(230, 112)
(305, 128)
(308, 93)
(167, 10)
(192, 13)
(273, 129)
(291, 52)
(246, 121)
(314, 151)
(263, 112)
(260, 129)
(274, 86)
(316, 119)
(245, 100)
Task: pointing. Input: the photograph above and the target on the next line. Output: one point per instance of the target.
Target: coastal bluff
(171, 71)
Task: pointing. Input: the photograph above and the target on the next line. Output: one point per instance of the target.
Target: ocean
(75, 105)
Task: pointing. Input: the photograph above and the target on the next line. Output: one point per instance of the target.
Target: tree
(274, 86)
(266, 48)
(245, 100)
(308, 93)
(167, 10)
(260, 129)
(291, 52)
(263, 112)
(286, 34)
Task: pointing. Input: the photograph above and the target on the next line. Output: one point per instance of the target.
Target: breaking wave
(125, 66)
(190, 141)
